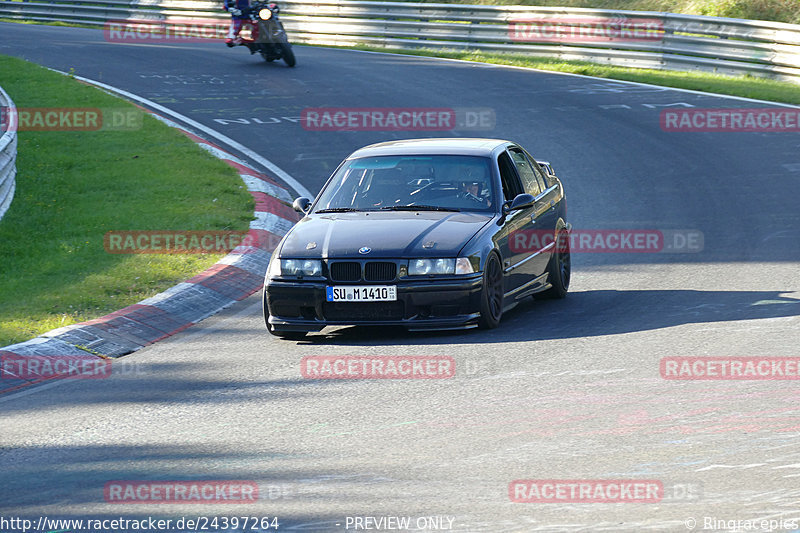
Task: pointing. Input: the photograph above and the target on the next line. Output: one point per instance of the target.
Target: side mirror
(520, 201)
(301, 205)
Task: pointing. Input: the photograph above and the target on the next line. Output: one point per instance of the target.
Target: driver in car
(473, 184)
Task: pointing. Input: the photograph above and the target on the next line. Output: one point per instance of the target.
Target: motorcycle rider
(235, 8)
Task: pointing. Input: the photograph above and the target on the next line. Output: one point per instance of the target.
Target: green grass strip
(73, 187)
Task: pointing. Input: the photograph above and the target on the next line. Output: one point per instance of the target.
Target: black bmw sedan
(422, 233)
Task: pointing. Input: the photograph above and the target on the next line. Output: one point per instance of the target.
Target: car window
(508, 177)
(532, 180)
(452, 182)
(541, 174)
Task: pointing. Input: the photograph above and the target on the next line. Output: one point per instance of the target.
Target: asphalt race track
(563, 390)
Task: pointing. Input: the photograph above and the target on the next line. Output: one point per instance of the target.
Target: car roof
(443, 146)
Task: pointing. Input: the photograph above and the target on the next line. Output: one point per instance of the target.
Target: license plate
(361, 293)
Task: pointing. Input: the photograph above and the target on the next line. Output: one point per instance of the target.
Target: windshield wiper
(418, 208)
(338, 210)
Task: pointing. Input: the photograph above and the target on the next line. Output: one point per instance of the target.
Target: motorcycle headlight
(425, 267)
(265, 14)
(301, 267)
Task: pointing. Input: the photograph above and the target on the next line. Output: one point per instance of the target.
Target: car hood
(386, 234)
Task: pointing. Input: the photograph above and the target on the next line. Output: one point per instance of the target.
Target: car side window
(541, 174)
(508, 177)
(532, 180)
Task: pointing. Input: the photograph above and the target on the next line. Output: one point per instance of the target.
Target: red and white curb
(233, 278)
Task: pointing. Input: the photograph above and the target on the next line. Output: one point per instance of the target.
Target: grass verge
(74, 186)
(746, 86)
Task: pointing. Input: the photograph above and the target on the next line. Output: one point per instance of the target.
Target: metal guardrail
(671, 41)
(8, 152)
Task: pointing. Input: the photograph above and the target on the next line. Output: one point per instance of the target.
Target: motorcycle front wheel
(287, 54)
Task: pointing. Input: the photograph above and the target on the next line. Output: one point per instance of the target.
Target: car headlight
(464, 266)
(425, 267)
(294, 267)
(265, 14)
(274, 267)
(301, 267)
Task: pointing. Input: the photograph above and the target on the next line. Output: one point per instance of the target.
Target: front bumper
(421, 304)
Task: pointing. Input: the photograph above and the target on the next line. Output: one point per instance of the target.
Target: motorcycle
(267, 34)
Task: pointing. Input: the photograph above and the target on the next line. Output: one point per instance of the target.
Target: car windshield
(399, 183)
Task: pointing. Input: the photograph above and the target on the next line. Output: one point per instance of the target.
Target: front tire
(288, 54)
(491, 293)
(559, 270)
